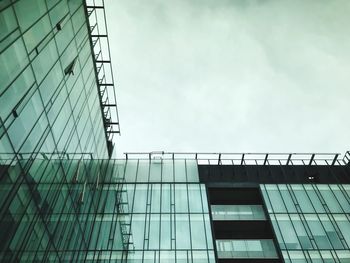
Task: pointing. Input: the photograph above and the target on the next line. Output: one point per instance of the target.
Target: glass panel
(180, 170)
(344, 226)
(155, 170)
(303, 199)
(192, 171)
(12, 61)
(37, 33)
(197, 227)
(7, 22)
(287, 231)
(301, 232)
(181, 200)
(16, 92)
(238, 212)
(263, 248)
(318, 232)
(330, 199)
(51, 83)
(130, 171)
(45, 60)
(29, 11)
(182, 232)
(168, 171)
(143, 171)
(25, 121)
(275, 199)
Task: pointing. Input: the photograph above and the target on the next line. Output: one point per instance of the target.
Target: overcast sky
(232, 75)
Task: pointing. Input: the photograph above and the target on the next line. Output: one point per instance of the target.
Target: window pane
(238, 212)
(12, 61)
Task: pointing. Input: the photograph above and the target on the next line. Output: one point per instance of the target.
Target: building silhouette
(65, 198)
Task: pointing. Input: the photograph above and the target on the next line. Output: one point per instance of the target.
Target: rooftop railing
(208, 158)
(249, 158)
(95, 11)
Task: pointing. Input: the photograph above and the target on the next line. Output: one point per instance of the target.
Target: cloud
(233, 76)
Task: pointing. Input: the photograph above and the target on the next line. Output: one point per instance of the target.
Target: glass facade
(246, 249)
(311, 222)
(238, 212)
(169, 212)
(107, 210)
(48, 88)
(63, 200)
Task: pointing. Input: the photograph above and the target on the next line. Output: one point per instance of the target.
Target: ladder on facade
(122, 216)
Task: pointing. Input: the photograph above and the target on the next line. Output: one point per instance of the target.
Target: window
(238, 212)
(263, 248)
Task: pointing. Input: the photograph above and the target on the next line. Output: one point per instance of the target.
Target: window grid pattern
(237, 212)
(311, 221)
(262, 248)
(84, 211)
(44, 109)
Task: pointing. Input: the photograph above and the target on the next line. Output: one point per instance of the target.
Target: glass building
(56, 86)
(161, 207)
(64, 198)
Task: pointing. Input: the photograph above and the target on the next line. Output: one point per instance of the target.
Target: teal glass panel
(59, 12)
(192, 171)
(23, 124)
(302, 234)
(331, 232)
(166, 198)
(183, 240)
(45, 60)
(198, 234)
(238, 212)
(344, 256)
(341, 197)
(263, 248)
(330, 199)
(344, 226)
(315, 200)
(287, 199)
(288, 234)
(195, 198)
(64, 36)
(131, 170)
(302, 199)
(143, 171)
(7, 22)
(78, 17)
(51, 82)
(275, 198)
(12, 61)
(155, 198)
(181, 198)
(29, 11)
(165, 232)
(180, 170)
(318, 226)
(155, 170)
(168, 171)
(154, 232)
(37, 33)
(16, 92)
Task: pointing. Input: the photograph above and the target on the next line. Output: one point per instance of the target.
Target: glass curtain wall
(61, 212)
(168, 212)
(311, 221)
(48, 89)
(97, 210)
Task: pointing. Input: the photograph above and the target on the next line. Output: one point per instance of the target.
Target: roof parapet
(248, 158)
(96, 18)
